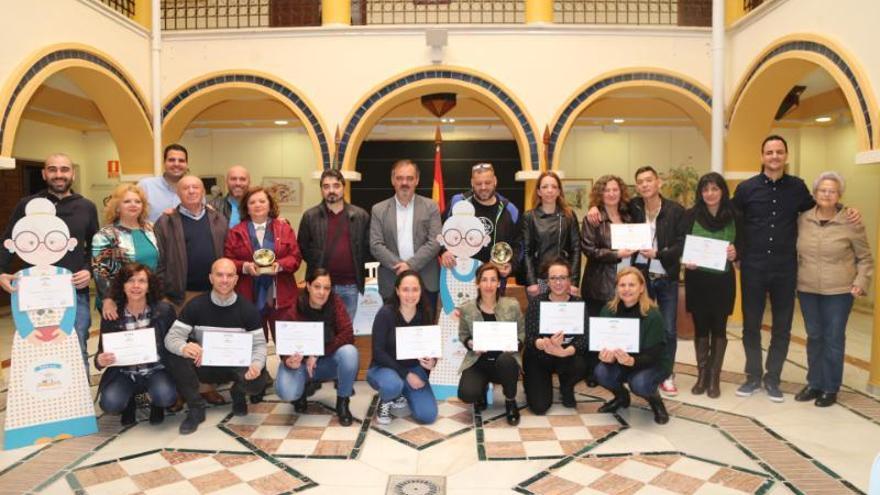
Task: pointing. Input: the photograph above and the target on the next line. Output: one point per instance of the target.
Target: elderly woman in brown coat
(834, 267)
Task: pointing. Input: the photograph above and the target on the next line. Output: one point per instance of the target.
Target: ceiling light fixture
(618, 121)
(280, 122)
(823, 120)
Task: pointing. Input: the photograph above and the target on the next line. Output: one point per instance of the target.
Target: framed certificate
(495, 336)
(419, 342)
(705, 252)
(565, 316)
(299, 337)
(227, 349)
(614, 333)
(131, 347)
(633, 236)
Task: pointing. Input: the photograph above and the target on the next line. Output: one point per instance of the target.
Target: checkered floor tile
(453, 418)
(276, 429)
(560, 432)
(665, 473)
(186, 472)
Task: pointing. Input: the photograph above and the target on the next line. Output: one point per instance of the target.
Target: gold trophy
(264, 259)
(501, 254)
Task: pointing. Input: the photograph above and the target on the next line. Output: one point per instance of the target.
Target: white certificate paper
(419, 342)
(495, 336)
(131, 347)
(227, 349)
(705, 252)
(45, 291)
(614, 333)
(633, 236)
(303, 337)
(565, 316)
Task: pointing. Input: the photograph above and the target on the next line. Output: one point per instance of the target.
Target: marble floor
(729, 445)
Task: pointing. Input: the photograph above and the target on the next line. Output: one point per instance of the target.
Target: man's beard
(333, 198)
(54, 188)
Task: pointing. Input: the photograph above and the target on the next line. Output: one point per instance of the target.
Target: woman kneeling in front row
(480, 368)
(340, 359)
(402, 383)
(645, 370)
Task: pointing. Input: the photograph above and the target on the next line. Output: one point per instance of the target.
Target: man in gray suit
(404, 231)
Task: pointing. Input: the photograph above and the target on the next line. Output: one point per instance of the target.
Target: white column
(718, 86)
(156, 93)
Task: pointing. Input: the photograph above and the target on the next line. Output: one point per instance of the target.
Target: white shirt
(405, 247)
(260, 230)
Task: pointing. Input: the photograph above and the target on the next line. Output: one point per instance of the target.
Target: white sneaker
(383, 414)
(668, 387)
(400, 407)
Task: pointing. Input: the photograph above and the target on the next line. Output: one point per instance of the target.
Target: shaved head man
(238, 181)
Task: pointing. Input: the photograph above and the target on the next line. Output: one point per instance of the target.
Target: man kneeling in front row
(220, 311)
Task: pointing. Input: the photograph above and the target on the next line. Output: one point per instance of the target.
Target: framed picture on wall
(213, 185)
(286, 190)
(577, 194)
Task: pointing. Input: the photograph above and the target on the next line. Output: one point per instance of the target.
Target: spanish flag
(438, 193)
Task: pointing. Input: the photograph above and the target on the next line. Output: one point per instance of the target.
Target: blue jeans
(825, 318)
(391, 386)
(643, 382)
(81, 325)
(349, 295)
(116, 394)
(342, 366)
(665, 292)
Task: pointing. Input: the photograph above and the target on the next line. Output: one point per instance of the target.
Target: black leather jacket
(599, 279)
(670, 237)
(313, 234)
(547, 235)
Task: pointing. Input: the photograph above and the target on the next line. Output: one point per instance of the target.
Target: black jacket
(599, 280)
(670, 237)
(507, 228)
(546, 236)
(313, 234)
(221, 205)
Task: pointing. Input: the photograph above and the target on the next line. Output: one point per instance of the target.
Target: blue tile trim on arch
(283, 91)
(58, 56)
(835, 59)
(610, 81)
(502, 96)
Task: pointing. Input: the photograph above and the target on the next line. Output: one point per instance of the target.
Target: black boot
(194, 417)
(239, 404)
(512, 412)
(157, 415)
(620, 400)
(568, 397)
(661, 417)
(300, 405)
(701, 348)
(716, 361)
(342, 411)
(128, 414)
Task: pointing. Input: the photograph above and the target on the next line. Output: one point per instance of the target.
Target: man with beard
(238, 180)
(81, 218)
(162, 191)
(333, 235)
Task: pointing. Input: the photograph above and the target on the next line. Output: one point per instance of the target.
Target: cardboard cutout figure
(49, 396)
(464, 235)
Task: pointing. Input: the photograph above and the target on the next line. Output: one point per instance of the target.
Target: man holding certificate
(554, 346)
(217, 338)
(315, 341)
(492, 329)
(643, 370)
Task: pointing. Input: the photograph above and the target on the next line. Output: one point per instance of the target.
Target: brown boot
(716, 360)
(701, 346)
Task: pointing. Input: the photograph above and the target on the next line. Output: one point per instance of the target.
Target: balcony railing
(124, 7)
(233, 14)
(374, 12)
(634, 12)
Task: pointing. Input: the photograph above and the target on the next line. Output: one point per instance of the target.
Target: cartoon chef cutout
(464, 235)
(49, 396)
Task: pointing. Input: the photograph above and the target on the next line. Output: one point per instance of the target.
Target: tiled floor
(711, 446)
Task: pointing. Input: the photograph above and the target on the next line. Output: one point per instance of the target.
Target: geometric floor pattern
(453, 418)
(655, 473)
(182, 472)
(273, 427)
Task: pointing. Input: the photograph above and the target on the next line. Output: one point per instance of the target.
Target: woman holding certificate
(548, 231)
(610, 196)
(648, 367)
(552, 350)
(709, 293)
(834, 267)
(481, 366)
(402, 383)
(127, 237)
(339, 359)
(135, 290)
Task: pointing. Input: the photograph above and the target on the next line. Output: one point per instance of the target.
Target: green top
(652, 337)
(144, 250)
(728, 233)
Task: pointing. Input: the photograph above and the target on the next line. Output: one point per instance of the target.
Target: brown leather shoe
(213, 397)
(177, 406)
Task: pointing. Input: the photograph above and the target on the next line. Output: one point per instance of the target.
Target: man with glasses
(81, 218)
(499, 216)
(404, 231)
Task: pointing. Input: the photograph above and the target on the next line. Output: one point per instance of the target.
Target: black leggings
(187, 377)
(474, 380)
(538, 381)
(710, 325)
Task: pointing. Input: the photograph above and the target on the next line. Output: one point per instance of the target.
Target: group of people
(168, 260)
